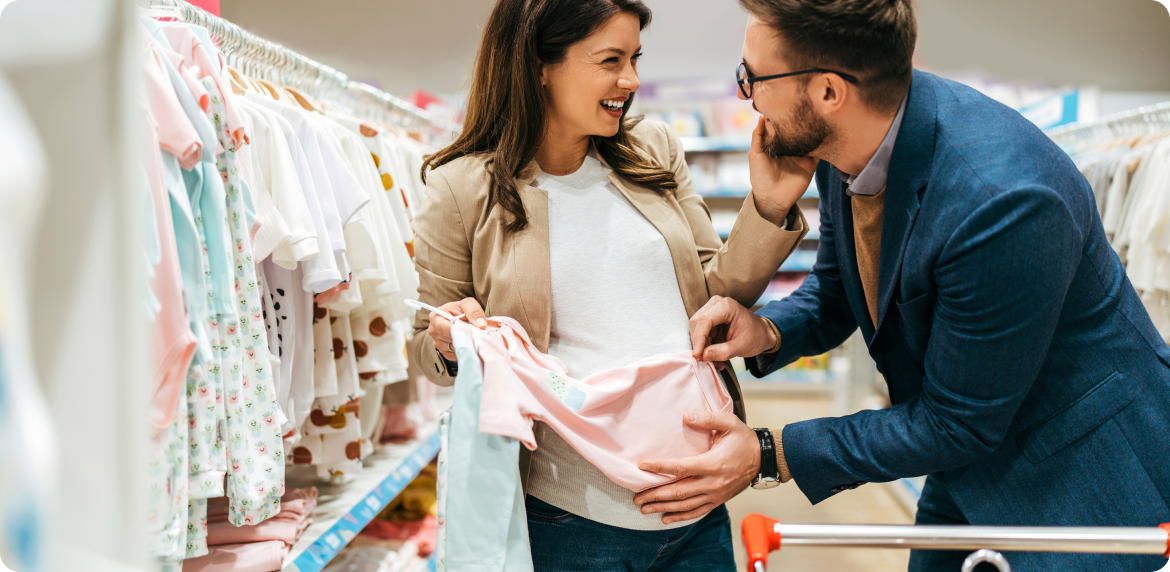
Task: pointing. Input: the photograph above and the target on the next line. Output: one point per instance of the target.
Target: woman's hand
(440, 328)
(777, 183)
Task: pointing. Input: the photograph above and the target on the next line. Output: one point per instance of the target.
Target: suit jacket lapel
(531, 259)
(909, 174)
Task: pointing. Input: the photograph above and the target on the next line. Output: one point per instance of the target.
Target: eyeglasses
(746, 82)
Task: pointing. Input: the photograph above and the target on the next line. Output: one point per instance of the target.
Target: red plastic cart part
(759, 538)
(1165, 527)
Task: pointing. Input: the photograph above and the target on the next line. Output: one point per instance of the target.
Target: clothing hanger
(161, 12)
(415, 304)
(297, 73)
(302, 100)
(239, 85)
(270, 71)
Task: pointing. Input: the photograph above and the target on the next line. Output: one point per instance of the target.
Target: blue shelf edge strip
(317, 555)
(914, 488)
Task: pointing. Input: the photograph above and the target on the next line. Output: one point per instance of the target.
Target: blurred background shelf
(756, 388)
(343, 510)
(742, 192)
(709, 144)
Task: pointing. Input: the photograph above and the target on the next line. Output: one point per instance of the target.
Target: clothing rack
(261, 58)
(1141, 121)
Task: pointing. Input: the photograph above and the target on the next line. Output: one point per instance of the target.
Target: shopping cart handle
(760, 536)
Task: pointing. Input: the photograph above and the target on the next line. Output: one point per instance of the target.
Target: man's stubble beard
(804, 135)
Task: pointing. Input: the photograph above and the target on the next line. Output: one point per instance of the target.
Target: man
(1026, 377)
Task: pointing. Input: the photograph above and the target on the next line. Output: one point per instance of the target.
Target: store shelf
(699, 144)
(742, 193)
(725, 230)
(756, 388)
(799, 261)
(344, 510)
(907, 492)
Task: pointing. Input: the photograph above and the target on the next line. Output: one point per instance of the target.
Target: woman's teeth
(613, 104)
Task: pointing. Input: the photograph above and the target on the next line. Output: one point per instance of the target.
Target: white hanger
(424, 306)
(161, 12)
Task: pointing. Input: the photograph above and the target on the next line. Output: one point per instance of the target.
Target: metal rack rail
(269, 60)
(1141, 121)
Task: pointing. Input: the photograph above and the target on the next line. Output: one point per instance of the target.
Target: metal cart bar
(762, 535)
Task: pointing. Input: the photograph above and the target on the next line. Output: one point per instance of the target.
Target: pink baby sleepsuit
(614, 418)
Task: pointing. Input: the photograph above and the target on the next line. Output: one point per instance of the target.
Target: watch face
(765, 483)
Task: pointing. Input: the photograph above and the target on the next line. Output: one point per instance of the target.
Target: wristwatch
(769, 475)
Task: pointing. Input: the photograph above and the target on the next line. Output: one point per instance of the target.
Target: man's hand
(745, 334)
(777, 182)
(711, 478)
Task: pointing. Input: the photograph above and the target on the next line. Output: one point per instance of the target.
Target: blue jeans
(564, 542)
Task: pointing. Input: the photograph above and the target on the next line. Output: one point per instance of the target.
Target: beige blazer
(463, 250)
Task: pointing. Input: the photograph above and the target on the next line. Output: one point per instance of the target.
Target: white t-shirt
(321, 273)
(615, 300)
(273, 231)
(313, 166)
(395, 269)
(273, 173)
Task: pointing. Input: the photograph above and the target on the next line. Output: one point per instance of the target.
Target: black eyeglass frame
(746, 85)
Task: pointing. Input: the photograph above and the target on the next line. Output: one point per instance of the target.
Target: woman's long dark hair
(506, 108)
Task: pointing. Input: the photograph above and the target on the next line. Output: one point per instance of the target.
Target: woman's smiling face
(587, 92)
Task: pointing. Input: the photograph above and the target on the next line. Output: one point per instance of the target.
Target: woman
(554, 208)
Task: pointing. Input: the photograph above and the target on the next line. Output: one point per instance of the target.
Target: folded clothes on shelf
(258, 547)
(363, 557)
(421, 532)
(252, 557)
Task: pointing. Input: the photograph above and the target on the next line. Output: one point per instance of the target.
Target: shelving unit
(344, 510)
(907, 492)
(742, 193)
(691, 144)
(756, 388)
(725, 203)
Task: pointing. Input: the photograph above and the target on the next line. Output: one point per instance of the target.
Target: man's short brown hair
(871, 39)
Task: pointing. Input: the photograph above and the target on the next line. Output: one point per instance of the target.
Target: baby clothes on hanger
(320, 272)
(296, 250)
(270, 230)
(174, 344)
(487, 530)
(1130, 177)
(273, 172)
(256, 469)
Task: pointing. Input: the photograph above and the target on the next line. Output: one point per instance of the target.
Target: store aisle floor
(869, 504)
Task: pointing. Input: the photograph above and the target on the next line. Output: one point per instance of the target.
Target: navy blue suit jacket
(1024, 372)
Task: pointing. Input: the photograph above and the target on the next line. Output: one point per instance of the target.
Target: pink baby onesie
(168, 129)
(614, 418)
(187, 45)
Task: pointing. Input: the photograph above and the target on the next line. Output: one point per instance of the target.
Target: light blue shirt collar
(872, 178)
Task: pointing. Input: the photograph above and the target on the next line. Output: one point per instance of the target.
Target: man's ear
(829, 93)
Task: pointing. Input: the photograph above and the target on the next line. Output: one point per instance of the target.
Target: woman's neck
(560, 154)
